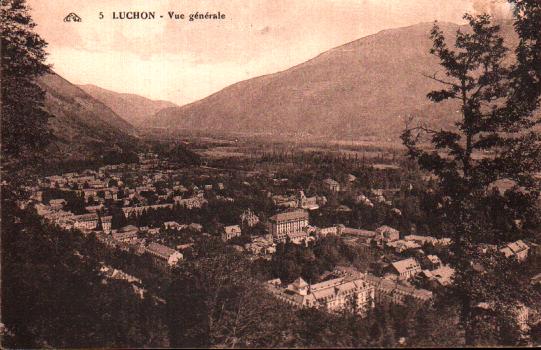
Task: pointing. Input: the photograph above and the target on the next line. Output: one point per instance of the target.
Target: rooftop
(128, 228)
(160, 249)
(232, 229)
(406, 265)
(290, 215)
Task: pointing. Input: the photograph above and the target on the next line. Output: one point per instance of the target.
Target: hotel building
(283, 224)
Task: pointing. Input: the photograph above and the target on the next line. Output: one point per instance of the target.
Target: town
(159, 209)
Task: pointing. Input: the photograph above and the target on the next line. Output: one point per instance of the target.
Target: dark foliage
(24, 121)
(175, 152)
(493, 140)
(53, 294)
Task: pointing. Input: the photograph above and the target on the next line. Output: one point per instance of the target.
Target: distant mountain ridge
(133, 108)
(366, 88)
(83, 127)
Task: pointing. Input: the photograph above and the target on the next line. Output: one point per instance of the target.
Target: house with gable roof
(406, 268)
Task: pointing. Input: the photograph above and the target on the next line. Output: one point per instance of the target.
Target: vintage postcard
(270, 173)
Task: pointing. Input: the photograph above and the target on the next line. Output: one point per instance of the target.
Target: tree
(54, 294)
(213, 301)
(498, 106)
(24, 121)
(118, 219)
(527, 73)
(476, 78)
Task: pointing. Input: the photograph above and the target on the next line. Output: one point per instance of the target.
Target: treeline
(315, 156)
(310, 262)
(174, 152)
(99, 159)
(259, 158)
(212, 215)
(321, 165)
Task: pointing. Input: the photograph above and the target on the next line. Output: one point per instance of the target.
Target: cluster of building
(299, 200)
(100, 189)
(351, 289)
(394, 286)
(332, 295)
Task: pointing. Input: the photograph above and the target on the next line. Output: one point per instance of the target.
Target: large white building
(192, 202)
(139, 210)
(332, 295)
(283, 224)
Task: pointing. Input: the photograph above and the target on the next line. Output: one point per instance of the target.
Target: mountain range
(133, 108)
(366, 88)
(82, 126)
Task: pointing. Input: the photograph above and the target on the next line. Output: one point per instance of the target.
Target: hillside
(133, 108)
(365, 88)
(83, 127)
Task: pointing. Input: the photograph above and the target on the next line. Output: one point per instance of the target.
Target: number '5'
(101, 15)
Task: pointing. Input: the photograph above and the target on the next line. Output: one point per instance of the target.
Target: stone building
(332, 295)
(291, 222)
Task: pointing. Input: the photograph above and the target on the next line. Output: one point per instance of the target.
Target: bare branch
(433, 77)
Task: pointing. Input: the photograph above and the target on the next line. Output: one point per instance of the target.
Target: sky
(183, 61)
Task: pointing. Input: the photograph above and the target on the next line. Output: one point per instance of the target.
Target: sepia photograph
(270, 174)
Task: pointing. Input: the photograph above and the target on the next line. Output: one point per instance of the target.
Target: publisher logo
(72, 17)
